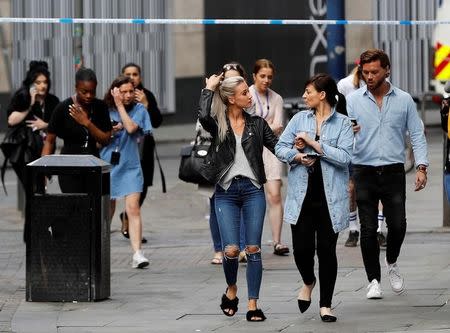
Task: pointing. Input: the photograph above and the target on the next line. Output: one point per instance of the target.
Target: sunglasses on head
(228, 67)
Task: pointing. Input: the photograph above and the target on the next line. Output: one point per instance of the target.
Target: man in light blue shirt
(384, 114)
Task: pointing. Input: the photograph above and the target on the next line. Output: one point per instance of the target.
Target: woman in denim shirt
(317, 144)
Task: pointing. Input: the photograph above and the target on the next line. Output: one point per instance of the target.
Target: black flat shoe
(303, 305)
(328, 318)
(229, 304)
(124, 229)
(255, 314)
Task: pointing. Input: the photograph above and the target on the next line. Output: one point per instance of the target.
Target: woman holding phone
(32, 106)
(318, 145)
(145, 97)
(131, 121)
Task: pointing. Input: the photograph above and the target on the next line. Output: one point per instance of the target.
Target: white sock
(380, 220)
(353, 221)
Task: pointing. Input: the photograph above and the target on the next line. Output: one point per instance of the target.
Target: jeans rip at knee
(253, 253)
(231, 252)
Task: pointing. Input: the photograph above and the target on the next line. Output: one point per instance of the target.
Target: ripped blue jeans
(241, 199)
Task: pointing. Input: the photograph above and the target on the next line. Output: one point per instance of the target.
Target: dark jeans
(385, 184)
(214, 227)
(242, 201)
(314, 221)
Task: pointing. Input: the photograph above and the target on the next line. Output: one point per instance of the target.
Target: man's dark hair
(372, 55)
(131, 64)
(85, 74)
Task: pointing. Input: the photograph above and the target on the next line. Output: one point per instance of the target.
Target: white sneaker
(374, 290)
(395, 278)
(139, 261)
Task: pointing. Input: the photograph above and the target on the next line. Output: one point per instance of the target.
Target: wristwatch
(422, 168)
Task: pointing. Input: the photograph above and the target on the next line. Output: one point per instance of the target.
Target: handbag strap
(3, 170)
(163, 178)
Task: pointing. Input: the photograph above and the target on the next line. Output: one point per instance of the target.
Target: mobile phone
(115, 157)
(32, 88)
(354, 122)
(313, 155)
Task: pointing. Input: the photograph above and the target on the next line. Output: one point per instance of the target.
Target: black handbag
(21, 145)
(192, 157)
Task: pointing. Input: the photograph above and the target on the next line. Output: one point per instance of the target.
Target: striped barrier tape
(215, 21)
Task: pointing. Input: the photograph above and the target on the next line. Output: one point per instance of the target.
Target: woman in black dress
(82, 121)
(30, 110)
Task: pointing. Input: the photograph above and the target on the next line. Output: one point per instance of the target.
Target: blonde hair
(220, 103)
(356, 76)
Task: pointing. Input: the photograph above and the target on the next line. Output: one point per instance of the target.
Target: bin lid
(78, 161)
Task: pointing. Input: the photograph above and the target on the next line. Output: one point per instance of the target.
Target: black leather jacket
(220, 158)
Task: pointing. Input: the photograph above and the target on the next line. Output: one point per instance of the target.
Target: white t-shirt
(345, 86)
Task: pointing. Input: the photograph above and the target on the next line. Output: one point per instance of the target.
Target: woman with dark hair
(130, 121)
(146, 98)
(82, 121)
(32, 106)
(269, 105)
(318, 146)
(235, 165)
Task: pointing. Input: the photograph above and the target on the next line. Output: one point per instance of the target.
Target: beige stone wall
(5, 11)
(358, 37)
(189, 40)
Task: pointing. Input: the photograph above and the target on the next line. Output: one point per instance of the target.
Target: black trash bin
(68, 234)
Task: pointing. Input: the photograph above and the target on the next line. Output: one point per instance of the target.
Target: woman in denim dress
(130, 122)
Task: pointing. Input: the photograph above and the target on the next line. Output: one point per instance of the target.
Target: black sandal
(255, 313)
(229, 304)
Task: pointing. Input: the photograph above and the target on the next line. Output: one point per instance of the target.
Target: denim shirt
(336, 141)
(381, 140)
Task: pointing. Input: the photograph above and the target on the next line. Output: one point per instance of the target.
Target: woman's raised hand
(213, 81)
(117, 95)
(79, 115)
(33, 94)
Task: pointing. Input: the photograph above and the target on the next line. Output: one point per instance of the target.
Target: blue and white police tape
(215, 21)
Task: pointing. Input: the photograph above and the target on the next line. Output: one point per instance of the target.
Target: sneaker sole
(141, 265)
(399, 292)
(351, 245)
(374, 297)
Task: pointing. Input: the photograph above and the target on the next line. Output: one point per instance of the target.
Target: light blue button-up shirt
(336, 141)
(381, 140)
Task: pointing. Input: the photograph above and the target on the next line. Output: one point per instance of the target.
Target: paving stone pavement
(181, 290)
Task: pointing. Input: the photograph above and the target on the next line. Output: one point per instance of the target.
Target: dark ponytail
(341, 105)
